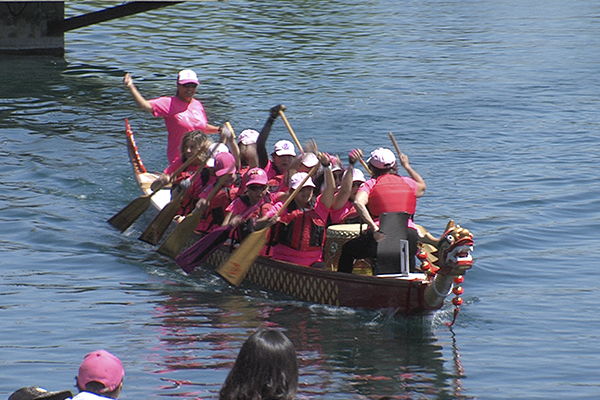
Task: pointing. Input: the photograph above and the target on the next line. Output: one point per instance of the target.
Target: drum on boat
(337, 235)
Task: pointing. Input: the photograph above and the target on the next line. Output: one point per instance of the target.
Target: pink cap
(336, 167)
(256, 176)
(248, 136)
(214, 149)
(224, 164)
(102, 367)
(297, 179)
(310, 160)
(284, 148)
(357, 175)
(382, 158)
(187, 76)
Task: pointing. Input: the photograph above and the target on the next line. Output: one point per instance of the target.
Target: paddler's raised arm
(261, 142)
(137, 96)
(421, 186)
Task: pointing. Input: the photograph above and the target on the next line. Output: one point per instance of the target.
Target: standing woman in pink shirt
(182, 112)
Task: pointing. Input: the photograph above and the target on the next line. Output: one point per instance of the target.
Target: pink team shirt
(180, 118)
(336, 216)
(368, 186)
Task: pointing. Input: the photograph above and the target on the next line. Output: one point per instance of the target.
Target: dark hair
(266, 368)
(377, 172)
(202, 142)
(99, 389)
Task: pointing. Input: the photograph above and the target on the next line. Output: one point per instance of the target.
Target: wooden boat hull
(402, 295)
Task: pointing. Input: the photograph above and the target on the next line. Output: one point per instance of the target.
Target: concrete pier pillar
(24, 27)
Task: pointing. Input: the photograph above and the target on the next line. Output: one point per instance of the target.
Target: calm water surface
(495, 103)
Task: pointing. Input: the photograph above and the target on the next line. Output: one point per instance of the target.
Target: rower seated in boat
(300, 233)
(214, 213)
(385, 192)
(193, 143)
(255, 182)
(341, 208)
(248, 153)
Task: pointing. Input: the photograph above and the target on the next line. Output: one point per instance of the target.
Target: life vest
(301, 230)
(215, 213)
(247, 227)
(391, 194)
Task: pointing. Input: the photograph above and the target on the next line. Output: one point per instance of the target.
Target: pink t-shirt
(180, 118)
(370, 183)
(337, 216)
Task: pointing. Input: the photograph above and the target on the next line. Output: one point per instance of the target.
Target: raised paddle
(364, 164)
(289, 127)
(203, 248)
(236, 267)
(160, 224)
(128, 215)
(183, 232)
(228, 125)
(396, 146)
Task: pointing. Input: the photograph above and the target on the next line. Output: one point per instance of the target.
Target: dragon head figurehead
(452, 251)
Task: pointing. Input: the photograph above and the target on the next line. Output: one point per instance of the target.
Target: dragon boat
(443, 262)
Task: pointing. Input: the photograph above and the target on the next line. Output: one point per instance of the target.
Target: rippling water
(495, 103)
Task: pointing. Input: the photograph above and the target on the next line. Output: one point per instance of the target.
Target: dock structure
(38, 27)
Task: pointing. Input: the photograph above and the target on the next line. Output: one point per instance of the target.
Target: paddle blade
(202, 249)
(160, 224)
(180, 235)
(236, 267)
(127, 216)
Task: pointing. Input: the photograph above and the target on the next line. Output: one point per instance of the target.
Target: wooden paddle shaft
(287, 124)
(395, 145)
(228, 125)
(183, 166)
(364, 164)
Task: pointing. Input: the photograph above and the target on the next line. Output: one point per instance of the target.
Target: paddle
(289, 127)
(396, 146)
(160, 224)
(364, 164)
(183, 232)
(236, 267)
(228, 125)
(128, 215)
(203, 248)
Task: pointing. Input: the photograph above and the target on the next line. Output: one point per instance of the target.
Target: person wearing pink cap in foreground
(182, 113)
(388, 192)
(100, 376)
